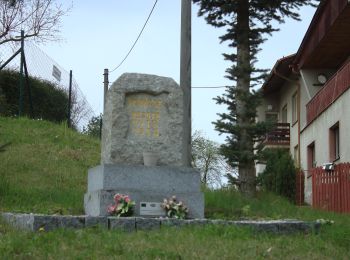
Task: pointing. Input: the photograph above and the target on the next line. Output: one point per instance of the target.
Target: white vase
(150, 159)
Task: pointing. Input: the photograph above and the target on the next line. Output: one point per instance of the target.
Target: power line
(211, 87)
(132, 47)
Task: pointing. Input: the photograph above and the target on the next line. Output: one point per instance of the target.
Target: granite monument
(143, 117)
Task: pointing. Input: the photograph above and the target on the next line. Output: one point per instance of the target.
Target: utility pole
(105, 85)
(105, 90)
(185, 78)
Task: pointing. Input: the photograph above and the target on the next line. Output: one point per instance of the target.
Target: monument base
(146, 184)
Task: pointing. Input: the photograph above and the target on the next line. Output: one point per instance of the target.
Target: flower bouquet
(123, 206)
(175, 209)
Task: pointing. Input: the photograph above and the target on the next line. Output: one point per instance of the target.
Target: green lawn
(44, 171)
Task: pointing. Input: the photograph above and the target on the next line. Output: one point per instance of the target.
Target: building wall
(269, 103)
(286, 94)
(318, 132)
(276, 101)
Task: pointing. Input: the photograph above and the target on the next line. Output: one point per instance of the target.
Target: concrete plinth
(143, 184)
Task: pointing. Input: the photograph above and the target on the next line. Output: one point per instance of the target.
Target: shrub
(280, 173)
(50, 102)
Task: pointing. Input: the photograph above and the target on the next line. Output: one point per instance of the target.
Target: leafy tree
(93, 128)
(246, 23)
(207, 159)
(40, 19)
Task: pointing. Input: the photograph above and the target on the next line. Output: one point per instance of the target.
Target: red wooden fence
(331, 189)
(299, 191)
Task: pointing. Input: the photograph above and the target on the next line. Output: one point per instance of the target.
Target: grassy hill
(44, 170)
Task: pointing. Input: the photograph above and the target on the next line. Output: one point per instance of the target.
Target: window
(334, 143)
(284, 114)
(296, 155)
(311, 156)
(295, 107)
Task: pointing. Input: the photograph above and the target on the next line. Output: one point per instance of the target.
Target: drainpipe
(304, 81)
(299, 112)
(295, 70)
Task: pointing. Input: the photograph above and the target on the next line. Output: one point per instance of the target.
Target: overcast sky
(98, 34)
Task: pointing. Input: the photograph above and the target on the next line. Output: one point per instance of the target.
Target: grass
(44, 171)
(169, 243)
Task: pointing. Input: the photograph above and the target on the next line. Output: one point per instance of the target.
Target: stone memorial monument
(142, 149)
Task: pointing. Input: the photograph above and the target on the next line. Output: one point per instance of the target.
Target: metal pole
(20, 108)
(10, 59)
(28, 86)
(70, 98)
(185, 78)
(105, 84)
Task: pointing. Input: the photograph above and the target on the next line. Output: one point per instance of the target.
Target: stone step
(38, 222)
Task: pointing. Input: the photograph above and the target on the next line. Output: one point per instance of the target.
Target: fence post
(28, 86)
(70, 99)
(20, 108)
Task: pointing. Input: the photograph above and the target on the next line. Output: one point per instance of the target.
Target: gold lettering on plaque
(145, 122)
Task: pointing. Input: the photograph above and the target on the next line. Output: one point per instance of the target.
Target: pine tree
(246, 23)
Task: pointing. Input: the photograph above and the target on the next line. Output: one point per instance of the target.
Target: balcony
(329, 93)
(279, 137)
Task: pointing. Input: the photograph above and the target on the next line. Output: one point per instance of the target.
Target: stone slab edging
(38, 222)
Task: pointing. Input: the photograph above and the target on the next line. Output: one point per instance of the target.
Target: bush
(280, 173)
(49, 101)
(93, 128)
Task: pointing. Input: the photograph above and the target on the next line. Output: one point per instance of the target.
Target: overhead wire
(211, 87)
(138, 37)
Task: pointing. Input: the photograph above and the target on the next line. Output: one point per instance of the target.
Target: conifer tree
(247, 22)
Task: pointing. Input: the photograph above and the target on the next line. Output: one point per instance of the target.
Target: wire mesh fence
(42, 66)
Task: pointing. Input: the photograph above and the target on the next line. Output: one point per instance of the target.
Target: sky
(98, 34)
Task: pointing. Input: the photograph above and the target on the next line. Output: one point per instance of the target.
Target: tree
(279, 175)
(93, 128)
(207, 159)
(246, 23)
(40, 19)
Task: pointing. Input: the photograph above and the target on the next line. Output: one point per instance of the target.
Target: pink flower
(117, 197)
(111, 209)
(127, 199)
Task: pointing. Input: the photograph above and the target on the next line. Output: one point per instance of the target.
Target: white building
(309, 93)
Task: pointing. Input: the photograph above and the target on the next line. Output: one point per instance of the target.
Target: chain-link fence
(42, 66)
